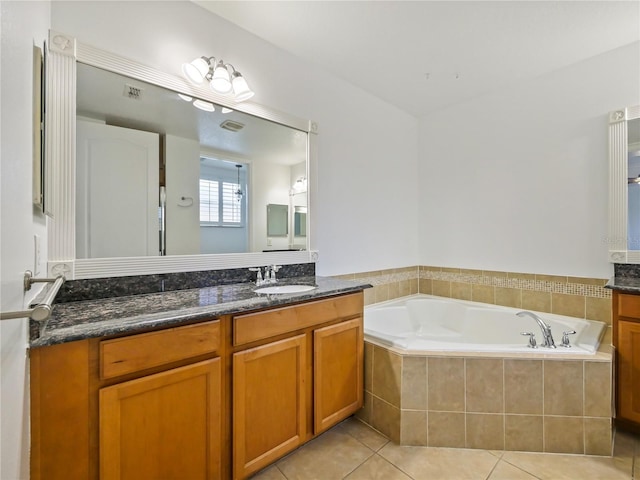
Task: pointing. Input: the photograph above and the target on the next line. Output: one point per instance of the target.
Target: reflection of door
(116, 191)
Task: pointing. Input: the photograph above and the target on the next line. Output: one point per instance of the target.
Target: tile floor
(353, 451)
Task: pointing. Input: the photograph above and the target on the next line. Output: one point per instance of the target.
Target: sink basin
(285, 289)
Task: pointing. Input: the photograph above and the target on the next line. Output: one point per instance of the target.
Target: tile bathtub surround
(554, 406)
(572, 296)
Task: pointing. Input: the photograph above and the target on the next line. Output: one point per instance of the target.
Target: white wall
(518, 180)
(367, 148)
(23, 25)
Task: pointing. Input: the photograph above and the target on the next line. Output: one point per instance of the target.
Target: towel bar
(41, 311)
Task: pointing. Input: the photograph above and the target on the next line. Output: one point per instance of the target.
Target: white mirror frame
(618, 190)
(60, 144)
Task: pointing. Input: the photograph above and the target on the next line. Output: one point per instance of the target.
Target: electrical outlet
(37, 255)
(269, 242)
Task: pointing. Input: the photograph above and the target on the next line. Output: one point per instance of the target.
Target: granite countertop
(108, 316)
(624, 284)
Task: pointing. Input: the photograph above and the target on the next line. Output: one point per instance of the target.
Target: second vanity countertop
(109, 316)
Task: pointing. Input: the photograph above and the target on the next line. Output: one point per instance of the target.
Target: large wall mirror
(160, 176)
(624, 185)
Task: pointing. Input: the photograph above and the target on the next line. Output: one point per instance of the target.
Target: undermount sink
(285, 289)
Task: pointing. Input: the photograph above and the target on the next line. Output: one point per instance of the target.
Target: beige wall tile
(369, 296)
(597, 389)
(446, 429)
(597, 436)
(485, 431)
(523, 433)
(563, 434)
(394, 290)
(551, 278)
(484, 385)
(600, 282)
(598, 309)
(461, 291)
(496, 274)
(387, 375)
(405, 288)
(386, 419)
(563, 387)
(414, 285)
(413, 427)
(364, 413)
(441, 288)
(565, 304)
(509, 297)
(381, 292)
(414, 383)
(368, 366)
(445, 384)
(483, 293)
(425, 286)
(537, 301)
(523, 386)
(450, 270)
(522, 276)
(468, 271)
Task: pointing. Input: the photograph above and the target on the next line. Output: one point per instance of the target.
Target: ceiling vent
(232, 126)
(134, 93)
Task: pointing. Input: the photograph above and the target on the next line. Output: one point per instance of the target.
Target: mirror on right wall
(624, 185)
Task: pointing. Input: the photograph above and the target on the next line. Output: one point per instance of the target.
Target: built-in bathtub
(428, 323)
(447, 373)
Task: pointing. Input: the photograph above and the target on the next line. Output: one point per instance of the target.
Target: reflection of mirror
(277, 220)
(129, 121)
(624, 178)
(300, 222)
(263, 182)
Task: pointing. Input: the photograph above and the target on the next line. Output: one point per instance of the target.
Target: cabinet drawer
(139, 352)
(258, 326)
(629, 306)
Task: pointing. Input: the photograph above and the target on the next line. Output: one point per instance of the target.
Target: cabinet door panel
(268, 403)
(338, 370)
(629, 370)
(164, 426)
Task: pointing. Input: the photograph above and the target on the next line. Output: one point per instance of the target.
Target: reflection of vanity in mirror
(624, 185)
(162, 182)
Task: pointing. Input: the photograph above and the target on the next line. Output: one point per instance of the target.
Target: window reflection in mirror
(151, 137)
(633, 193)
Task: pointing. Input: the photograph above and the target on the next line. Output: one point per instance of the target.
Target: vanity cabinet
(295, 382)
(219, 399)
(626, 339)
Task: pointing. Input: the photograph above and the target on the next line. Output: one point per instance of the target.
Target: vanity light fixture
(239, 192)
(223, 78)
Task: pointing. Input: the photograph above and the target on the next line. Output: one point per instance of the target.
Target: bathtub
(425, 323)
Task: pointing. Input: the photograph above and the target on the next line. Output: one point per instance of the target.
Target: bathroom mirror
(624, 185)
(277, 220)
(258, 153)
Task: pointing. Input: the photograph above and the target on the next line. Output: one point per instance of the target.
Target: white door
(117, 191)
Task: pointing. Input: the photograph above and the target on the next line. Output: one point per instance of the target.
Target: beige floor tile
(363, 433)
(377, 468)
(570, 467)
(440, 463)
(624, 445)
(331, 456)
(269, 473)
(506, 471)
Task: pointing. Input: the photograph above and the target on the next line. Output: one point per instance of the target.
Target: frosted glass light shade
(241, 89)
(196, 70)
(221, 82)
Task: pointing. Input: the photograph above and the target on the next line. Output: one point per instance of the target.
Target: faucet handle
(565, 338)
(532, 339)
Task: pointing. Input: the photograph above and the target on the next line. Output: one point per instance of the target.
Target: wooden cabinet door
(629, 371)
(268, 403)
(163, 426)
(338, 372)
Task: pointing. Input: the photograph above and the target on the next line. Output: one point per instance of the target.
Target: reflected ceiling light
(186, 98)
(238, 192)
(226, 110)
(202, 105)
(223, 78)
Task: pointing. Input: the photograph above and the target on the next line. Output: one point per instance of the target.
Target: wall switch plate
(269, 242)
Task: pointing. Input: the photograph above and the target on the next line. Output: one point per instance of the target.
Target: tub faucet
(546, 329)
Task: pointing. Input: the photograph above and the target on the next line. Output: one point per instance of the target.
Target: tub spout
(544, 327)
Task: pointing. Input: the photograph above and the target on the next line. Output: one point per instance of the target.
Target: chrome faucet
(270, 273)
(546, 329)
(259, 280)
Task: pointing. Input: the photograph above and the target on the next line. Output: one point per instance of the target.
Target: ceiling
(423, 56)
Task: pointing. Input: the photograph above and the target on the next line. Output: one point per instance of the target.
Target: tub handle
(532, 339)
(565, 338)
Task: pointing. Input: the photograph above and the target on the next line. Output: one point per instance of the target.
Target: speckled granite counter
(108, 316)
(626, 278)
